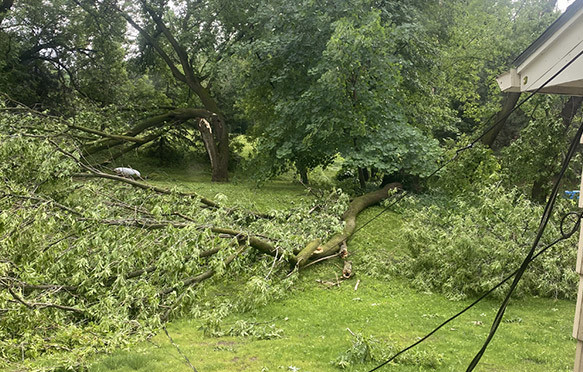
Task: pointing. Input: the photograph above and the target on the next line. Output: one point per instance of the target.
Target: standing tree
(214, 132)
(326, 80)
(190, 39)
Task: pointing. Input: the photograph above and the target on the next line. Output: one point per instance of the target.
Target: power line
(475, 141)
(541, 229)
(542, 226)
(564, 236)
(519, 272)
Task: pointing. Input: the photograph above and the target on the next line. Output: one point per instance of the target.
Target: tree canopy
(383, 91)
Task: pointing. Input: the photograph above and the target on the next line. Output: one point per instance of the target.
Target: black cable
(471, 145)
(564, 236)
(541, 229)
(398, 199)
(542, 225)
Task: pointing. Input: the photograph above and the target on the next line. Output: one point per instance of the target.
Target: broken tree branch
(199, 278)
(35, 305)
(142, 185)
(332, 246)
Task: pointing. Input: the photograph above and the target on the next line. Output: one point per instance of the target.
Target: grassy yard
(318, 322)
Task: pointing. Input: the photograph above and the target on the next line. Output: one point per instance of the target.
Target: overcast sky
(563, 4)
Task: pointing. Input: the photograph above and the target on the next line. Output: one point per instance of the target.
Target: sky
(563, 4)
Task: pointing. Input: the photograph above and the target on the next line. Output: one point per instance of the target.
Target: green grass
(535, 336)
(282, 193)
(315, 322)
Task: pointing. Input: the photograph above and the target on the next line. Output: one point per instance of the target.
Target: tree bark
(304, 176)
(302, 258)
(349, 217)
(215, 139)
(570, 110)
(361, 177)
(188, 76)
(508, 103)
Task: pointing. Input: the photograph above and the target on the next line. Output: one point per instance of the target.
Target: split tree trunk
(215, 138)
(508, 103)
(187, 74)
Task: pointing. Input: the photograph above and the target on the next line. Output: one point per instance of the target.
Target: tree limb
(38, 305)
(199, 278)
(360, 203)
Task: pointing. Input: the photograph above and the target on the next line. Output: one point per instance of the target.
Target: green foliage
(366, 349)
(534, 158)
(56, 51)
(74, 252)
(472, 170)
(314, 320)
(478, 41)
(358, 104)
(465, 245)
(348, 102)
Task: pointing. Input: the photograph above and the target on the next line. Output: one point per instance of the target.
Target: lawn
(318, 323)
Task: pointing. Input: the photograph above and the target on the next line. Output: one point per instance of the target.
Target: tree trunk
(349, 217)
(187, 75)
(508, 103)
(221, 171)
(570, 110)
(537, 192)
(304, 176)
(361, 177)
(213, 138)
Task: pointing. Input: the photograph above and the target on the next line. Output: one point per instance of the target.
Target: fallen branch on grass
(336, 245)
(38, 305)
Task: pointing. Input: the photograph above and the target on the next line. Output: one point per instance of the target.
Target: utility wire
(544, 221)
(475, 141)
(541, 229)
(564, 236)
(520, 271)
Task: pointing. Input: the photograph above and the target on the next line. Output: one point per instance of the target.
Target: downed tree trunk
(360, 203)
(305, 254)
(111, 140)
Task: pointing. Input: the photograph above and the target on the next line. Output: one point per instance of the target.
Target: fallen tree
(334, 244)
(93, 253)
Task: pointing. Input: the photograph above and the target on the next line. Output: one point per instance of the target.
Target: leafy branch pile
(88, 262)
(367, 349)
(465, 245)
